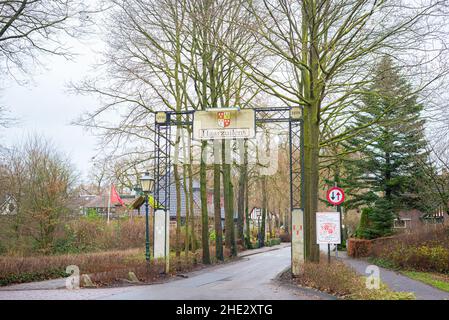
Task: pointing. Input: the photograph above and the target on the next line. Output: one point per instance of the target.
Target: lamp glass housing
(146, 182)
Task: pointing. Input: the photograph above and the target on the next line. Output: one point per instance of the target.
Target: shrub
(425, 249)
(92, 214)
(381, 219)
(285, 237)
(422, 258)
(376, 221)
(212, 236)
(90, 234)
(105, 267)
(363, 229)
(359, 247)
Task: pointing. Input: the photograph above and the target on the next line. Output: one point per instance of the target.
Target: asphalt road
(252, 277)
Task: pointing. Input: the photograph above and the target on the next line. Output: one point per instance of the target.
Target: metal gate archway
(290, 115)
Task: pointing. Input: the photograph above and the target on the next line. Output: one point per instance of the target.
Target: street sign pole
(338, 207)
(336, 246)
(336, 196)
(341, 230)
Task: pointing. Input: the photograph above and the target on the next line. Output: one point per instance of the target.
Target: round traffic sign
(335, 196)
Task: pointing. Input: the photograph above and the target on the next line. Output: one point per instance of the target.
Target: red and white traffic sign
(335, 196)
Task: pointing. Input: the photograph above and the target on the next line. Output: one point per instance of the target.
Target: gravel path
(397, 281)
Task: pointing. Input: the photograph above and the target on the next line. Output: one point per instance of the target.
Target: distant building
(77, 204)
(100, 203)
(138, 203)
(8, 205)
(411, 219)
(134, 203)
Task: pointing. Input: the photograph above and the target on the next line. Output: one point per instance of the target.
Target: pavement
(396, 281)
(254, 276)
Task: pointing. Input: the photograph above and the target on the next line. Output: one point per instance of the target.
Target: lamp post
(147, 182)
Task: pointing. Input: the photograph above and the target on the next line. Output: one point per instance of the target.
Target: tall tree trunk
(178, 98)
(178, 210)
(187, 208)
(217, 205)
(310, 86)
(241, 198)
(204, 214)
(231, 206)
(247, 220)
(228, 197)
(264, 211)
(270, 224)
(311, 132)
(192, 210)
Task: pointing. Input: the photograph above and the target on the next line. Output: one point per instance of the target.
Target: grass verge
(342, 281)
(436, 280)
(106, 268)
(439, 281)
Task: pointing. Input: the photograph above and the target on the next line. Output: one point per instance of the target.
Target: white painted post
(297, 232)
(167, 241)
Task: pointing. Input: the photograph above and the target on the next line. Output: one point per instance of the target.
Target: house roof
(101, 201)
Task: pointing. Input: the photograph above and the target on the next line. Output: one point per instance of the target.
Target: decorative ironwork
(162, 166)
(263, 115)
(296, 164)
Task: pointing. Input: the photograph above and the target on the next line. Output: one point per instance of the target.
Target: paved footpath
(397, 281)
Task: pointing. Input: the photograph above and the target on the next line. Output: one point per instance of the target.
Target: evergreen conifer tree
(388, 154)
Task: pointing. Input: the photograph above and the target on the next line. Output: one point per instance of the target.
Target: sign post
(224, 123)
(328, 229)
(336, 196)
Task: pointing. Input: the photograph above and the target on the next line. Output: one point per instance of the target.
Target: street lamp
(146, 183)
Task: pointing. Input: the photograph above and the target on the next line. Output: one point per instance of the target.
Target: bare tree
(168, 55)
(32, 27)
(321, 52)
(40, 179)
(433, 187)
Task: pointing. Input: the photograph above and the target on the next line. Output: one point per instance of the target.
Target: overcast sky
(45, 107)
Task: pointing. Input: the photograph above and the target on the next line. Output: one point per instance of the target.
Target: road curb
(251, 252)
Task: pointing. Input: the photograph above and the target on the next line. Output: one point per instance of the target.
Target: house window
(11, 208)
(401, 223)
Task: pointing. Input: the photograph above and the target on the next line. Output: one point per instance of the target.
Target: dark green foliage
(388, 154)
(32, 276)
(376, 221)
(382, 263)
(381, 219)
(362, 230)
(275, 241)
(92, 214)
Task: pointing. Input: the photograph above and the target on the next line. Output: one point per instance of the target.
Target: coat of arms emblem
(223, 119)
